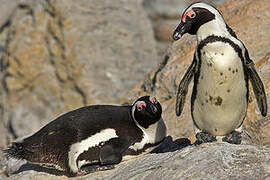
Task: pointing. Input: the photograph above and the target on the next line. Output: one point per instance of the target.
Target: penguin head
(195, 16)
(146, 111)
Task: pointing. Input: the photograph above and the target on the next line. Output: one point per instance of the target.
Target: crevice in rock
(81, 92)
(6, 25)
(49, 8)
(4, 82)
(59, 40)
(160, 68)
(55, 37)
(26, 7)
(11, 129)
(150, 82)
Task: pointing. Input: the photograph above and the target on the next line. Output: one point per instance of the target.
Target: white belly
(220, 105)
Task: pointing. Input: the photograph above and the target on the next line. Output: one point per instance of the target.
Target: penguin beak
(153, 108)
(181, 29)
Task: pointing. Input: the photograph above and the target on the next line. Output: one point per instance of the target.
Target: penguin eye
(192, 15)
(141, 105)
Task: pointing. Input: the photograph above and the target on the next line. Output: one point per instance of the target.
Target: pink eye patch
(152, 99)
(190, 14)
(140, 105)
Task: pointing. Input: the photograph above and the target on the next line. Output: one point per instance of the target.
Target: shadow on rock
(28, 166)
(168, 145)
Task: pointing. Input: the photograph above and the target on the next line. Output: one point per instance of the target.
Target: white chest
(153, 134)
(220, 103)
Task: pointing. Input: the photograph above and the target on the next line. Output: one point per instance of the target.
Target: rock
(176, 160)
(164, 29)
(3, 163)
(207, 161)
(6, 9)
(165, 15)
(4, 136)
(170, 9)
(163, 81)
(61, 55)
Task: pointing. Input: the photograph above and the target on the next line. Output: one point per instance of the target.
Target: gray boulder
(205, 162)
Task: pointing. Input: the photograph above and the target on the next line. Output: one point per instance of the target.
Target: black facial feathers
(202, 16)
(147, 111)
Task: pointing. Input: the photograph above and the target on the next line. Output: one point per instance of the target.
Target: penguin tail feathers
(18, 151)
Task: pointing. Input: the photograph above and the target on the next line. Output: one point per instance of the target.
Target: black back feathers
(18, 151)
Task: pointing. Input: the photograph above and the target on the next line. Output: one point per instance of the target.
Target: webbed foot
(204, 137)
(233, 138)
(93, 168)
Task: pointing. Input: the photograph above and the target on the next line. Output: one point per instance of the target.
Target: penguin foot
(204, 137)
(90, 169)
(82, 173)
(233, 138)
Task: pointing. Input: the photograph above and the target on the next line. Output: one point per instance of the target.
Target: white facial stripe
(132, 113)
(203, 5)
(79, 147)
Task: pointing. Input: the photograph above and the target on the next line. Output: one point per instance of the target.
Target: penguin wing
(112, 151)
(183, 87)
(257, 85)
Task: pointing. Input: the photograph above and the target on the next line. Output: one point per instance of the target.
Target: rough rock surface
(251, 27)
(207, 161)
(6, 9)
(59, 55)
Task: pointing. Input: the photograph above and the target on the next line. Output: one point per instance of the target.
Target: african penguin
(98, 135)
(221, 68)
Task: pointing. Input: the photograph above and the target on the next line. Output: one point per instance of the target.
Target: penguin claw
(103, 168)
(233, 138)
(204, 137)
(90, 169)
(82, 173)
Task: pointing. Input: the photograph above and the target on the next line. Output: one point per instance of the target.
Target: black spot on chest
(218, 101)
(215, 100)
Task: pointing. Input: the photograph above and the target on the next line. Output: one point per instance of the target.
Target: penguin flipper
(183, 87)
(257, 86)
(111, 152)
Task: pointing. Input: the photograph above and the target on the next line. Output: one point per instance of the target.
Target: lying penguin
(98, 136)
(221, 68)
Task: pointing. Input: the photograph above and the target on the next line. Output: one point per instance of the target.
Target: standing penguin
(98, 135)
(221, 68)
